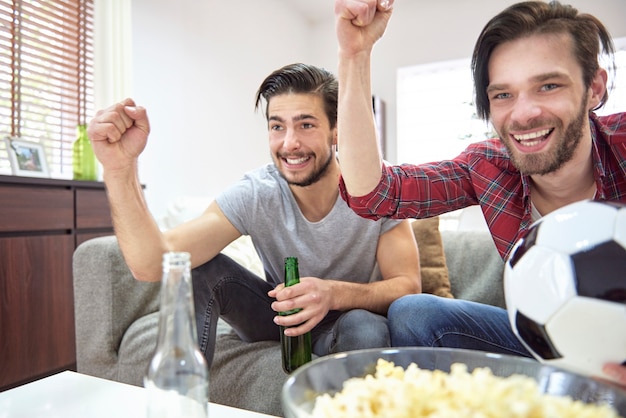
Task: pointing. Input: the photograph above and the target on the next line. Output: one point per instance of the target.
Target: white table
(73, 395)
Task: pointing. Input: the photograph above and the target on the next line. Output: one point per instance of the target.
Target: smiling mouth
(532, 139)
(296, 161)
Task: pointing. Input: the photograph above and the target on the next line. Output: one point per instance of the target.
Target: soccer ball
(565, 287)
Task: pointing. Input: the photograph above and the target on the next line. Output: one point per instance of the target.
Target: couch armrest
(107, 301)
(474, 265)
(117, 326)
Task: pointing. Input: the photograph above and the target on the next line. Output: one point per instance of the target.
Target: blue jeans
(223, 288)
(430, 321)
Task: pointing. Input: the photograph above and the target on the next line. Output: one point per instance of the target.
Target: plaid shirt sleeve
(484, 175)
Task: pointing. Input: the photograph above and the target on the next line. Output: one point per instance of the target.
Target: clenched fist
(119, 134)
(360, 23)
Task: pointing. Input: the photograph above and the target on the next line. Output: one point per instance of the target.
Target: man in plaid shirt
(538, 80)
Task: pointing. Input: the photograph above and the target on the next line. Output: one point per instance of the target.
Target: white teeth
(533, 135)
(530, 143)
(296, 160)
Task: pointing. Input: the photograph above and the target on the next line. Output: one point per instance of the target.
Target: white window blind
(46, 76)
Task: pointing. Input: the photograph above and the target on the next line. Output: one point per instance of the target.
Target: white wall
(436, 30)
(197, 65)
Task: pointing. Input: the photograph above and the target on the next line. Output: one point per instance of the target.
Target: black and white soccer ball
(565, 287)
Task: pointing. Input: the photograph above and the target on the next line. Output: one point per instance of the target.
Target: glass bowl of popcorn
(421, 382)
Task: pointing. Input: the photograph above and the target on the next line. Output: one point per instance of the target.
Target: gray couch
(116, 320)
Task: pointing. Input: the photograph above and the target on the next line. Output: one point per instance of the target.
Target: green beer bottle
(296, 350)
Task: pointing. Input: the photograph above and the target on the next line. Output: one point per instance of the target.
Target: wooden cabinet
(42, 221)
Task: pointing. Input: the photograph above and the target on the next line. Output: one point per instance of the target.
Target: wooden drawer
(92, 209)
(41, 222)
(37, 321)
(35, 209)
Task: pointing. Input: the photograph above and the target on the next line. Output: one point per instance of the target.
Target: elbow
(145, 276)
(412, 284)
(417, 285)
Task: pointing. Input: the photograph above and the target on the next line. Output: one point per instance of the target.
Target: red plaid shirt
(484, 175)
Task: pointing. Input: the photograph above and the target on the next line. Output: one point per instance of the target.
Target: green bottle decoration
(83, 158)
(296, 351)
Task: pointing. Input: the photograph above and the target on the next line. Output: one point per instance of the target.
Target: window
(46, 76)
(617, 82)
(436, 115)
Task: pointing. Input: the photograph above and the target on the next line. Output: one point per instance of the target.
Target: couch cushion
(243, 252)
(476, 268)
(432, 257)
(107, 300)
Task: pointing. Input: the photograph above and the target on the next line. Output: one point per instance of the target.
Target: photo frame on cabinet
(27, 158)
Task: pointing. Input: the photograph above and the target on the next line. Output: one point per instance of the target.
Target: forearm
(374, 297)
(359, 153)
(138, 234)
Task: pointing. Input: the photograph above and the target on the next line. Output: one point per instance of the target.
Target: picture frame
(27, 158)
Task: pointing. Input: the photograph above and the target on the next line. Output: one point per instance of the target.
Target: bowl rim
(471, 354)
(442, 350)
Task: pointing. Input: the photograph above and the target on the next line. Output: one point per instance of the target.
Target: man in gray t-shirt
(339, 245)
(351, 268)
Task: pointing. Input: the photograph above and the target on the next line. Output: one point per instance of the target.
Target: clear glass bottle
(84, 161)
(296, 351)
(178, 377)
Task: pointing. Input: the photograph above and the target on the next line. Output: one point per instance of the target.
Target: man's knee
(412, 306)
(360, 329)
(416, 314)
(357, 318)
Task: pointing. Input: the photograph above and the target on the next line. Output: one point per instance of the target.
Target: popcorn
(393, 392)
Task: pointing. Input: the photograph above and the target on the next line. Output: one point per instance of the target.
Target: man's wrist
(360, 58)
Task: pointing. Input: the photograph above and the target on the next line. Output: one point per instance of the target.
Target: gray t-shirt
(342, 246)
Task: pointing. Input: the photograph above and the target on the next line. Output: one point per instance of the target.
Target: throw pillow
(433, 266)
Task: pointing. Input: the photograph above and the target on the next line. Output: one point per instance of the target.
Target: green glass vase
(83, 158)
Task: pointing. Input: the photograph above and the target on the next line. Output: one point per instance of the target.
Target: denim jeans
(430, 321)
(223, 288)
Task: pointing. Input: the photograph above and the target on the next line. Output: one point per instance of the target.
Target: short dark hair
(537, 17)
(301, 78)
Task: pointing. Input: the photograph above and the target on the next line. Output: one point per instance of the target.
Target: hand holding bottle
(313, 295)
(119, 134)
(296, 349)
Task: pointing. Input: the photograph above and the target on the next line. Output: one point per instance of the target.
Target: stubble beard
(551, 161)
(312, 178)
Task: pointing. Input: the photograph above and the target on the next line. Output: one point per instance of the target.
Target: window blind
(46, 76)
